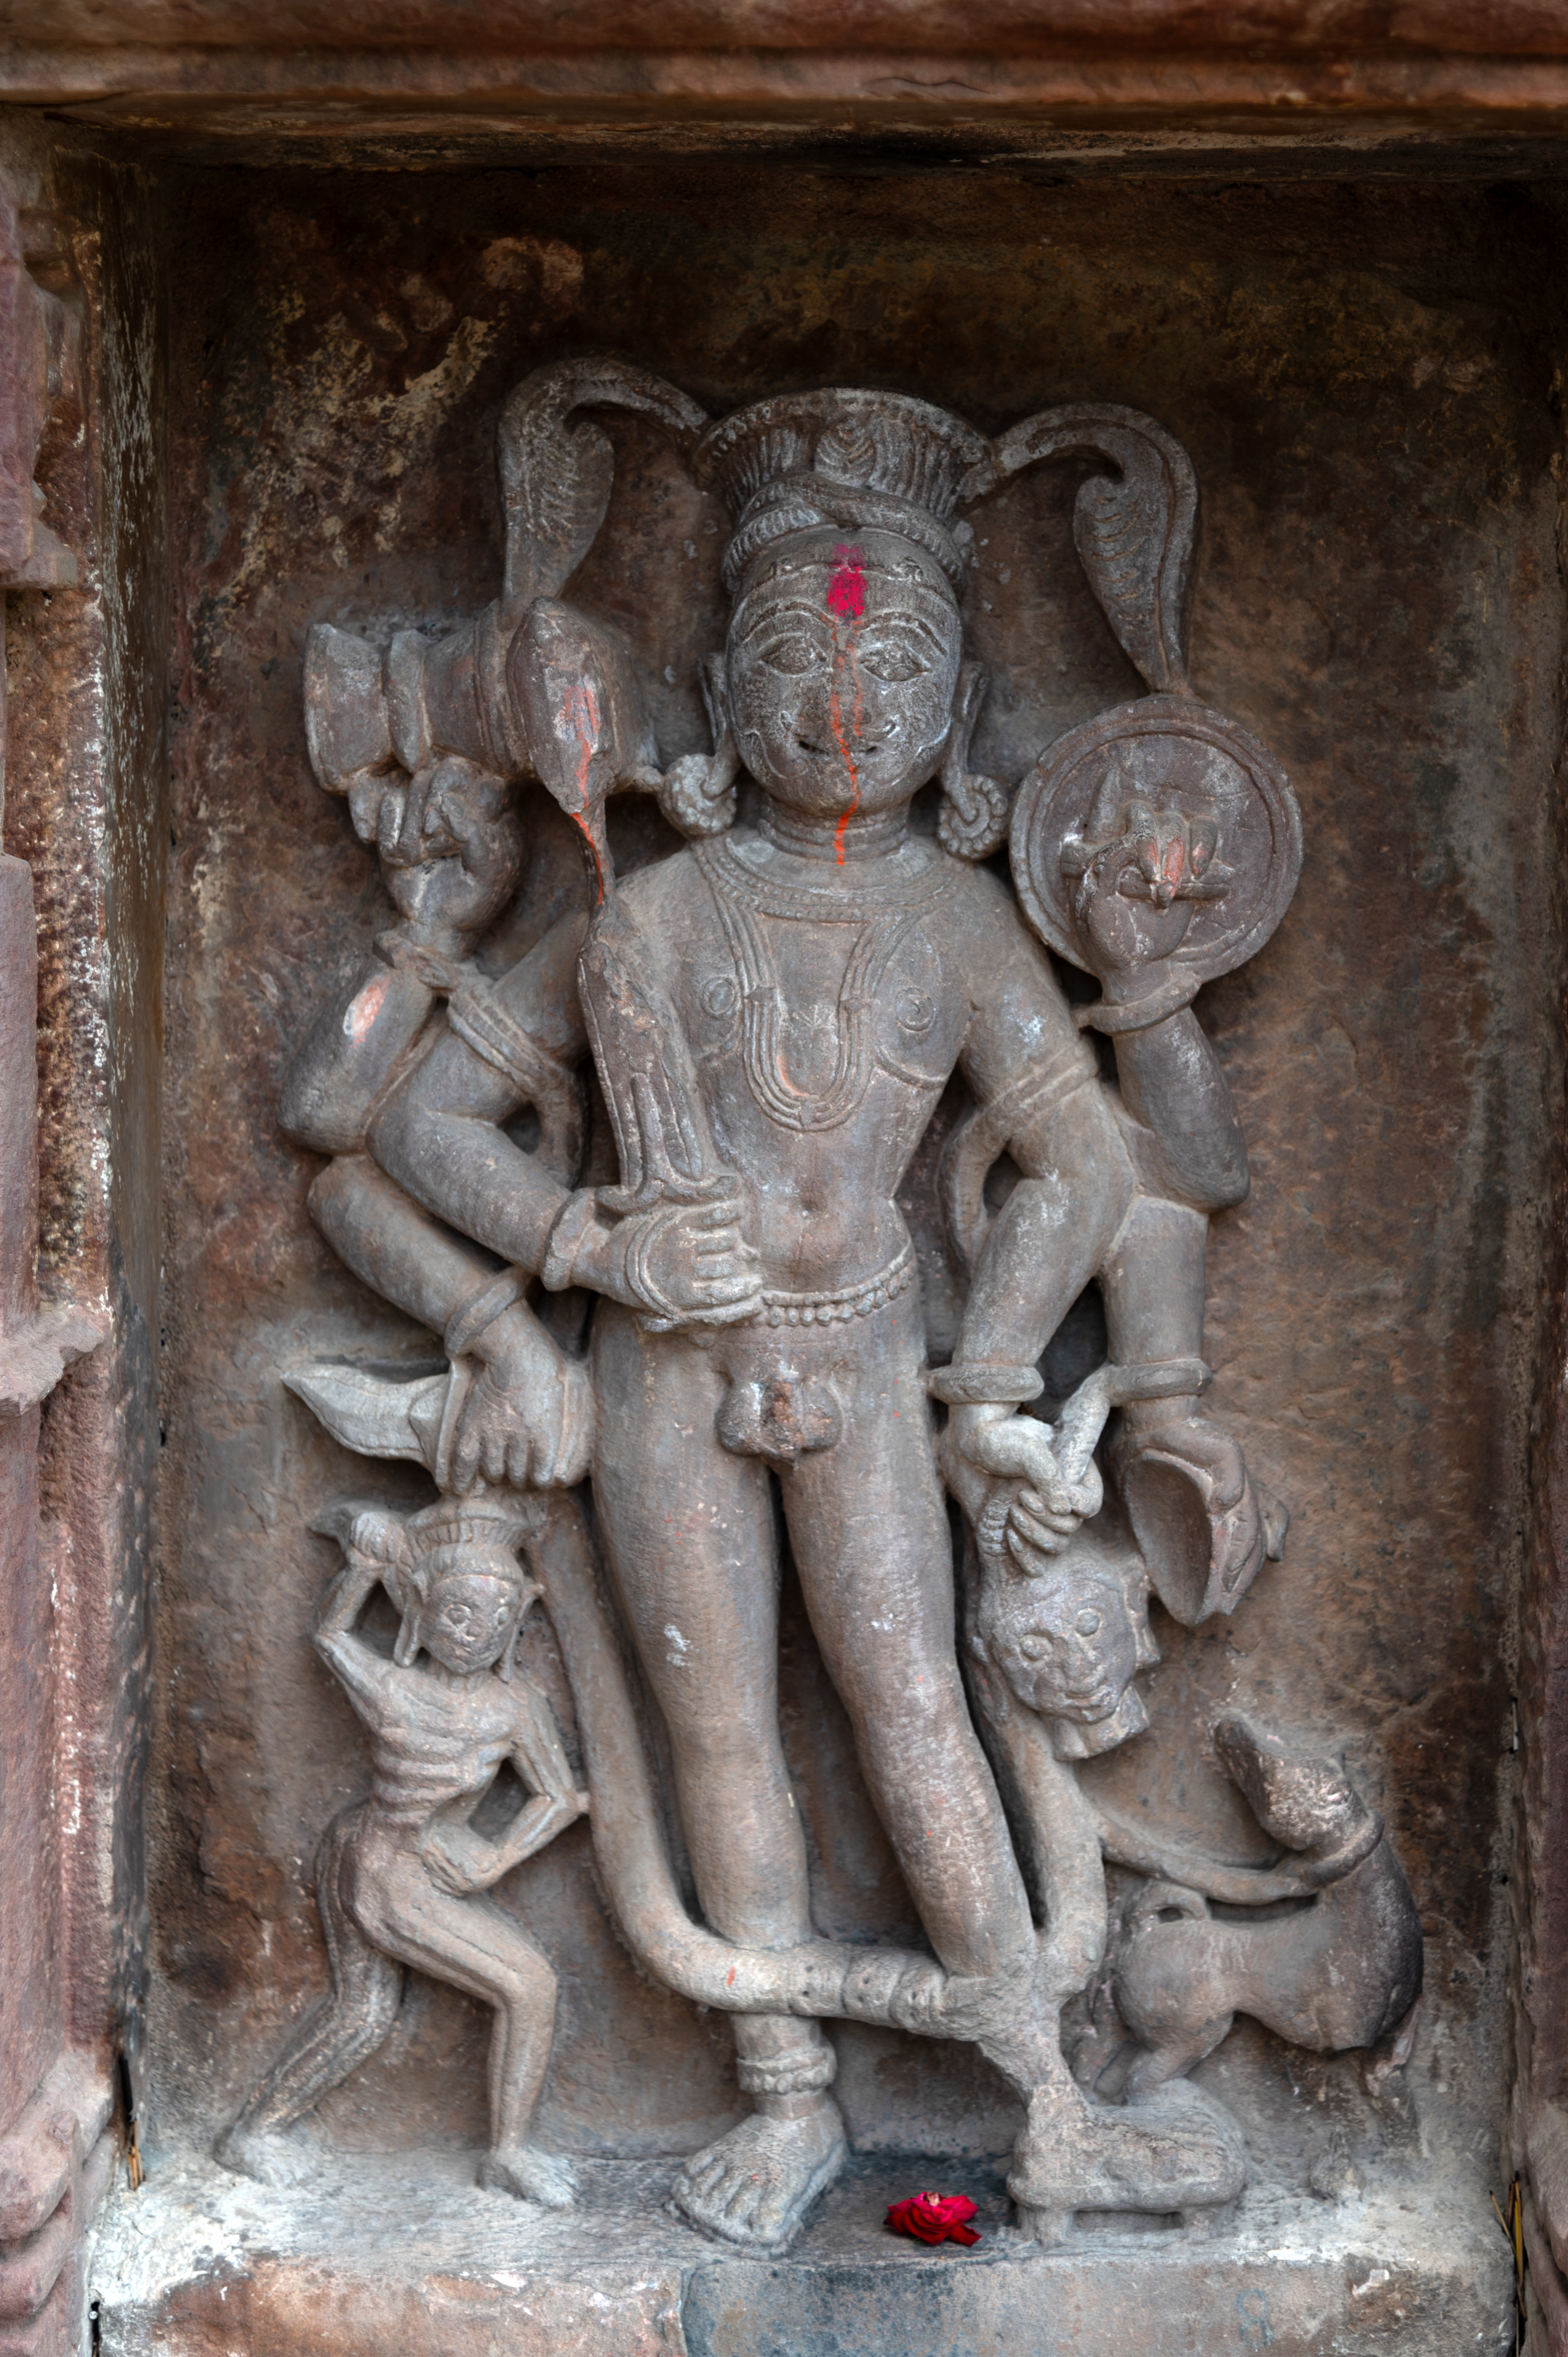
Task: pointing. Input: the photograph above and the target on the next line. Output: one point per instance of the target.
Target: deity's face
(467, 1621)
(841, 665)
(1069, 1647)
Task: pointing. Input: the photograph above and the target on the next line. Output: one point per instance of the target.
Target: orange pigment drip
(582, 719)
(844, 739)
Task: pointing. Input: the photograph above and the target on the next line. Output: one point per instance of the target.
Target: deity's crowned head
(845, 642)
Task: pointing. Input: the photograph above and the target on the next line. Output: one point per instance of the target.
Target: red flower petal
(932, 2218)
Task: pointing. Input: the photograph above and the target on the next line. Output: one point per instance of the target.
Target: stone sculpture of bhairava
(691, 1108)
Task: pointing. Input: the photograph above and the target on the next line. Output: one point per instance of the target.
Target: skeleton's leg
(484, 1952)
(690, 1537)
(333, 2039)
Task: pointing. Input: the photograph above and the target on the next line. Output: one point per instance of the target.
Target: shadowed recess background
(1354, 373)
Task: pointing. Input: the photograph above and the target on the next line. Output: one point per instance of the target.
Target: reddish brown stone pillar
(55, 2098)
(1541, 2095)
(56, 2068)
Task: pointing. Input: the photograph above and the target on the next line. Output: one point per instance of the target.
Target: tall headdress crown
(858, 461)
(489, 1523)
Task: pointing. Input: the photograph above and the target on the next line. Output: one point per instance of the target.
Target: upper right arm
(350, 1053)
(438, 1131)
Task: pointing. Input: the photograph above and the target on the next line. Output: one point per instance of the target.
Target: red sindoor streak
(846, 603)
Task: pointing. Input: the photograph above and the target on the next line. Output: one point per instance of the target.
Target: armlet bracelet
(1141, 1014)
(469, 1319)
(974, 1383)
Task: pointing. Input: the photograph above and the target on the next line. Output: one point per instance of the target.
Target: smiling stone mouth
(1094, 1702)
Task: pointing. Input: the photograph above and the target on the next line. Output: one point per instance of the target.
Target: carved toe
(754, 2186)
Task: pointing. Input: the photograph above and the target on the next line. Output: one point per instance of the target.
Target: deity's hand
(1136, 891)
(683, 1263)
(994, 1459)
(696, 794)
(451, 849)
(529, 1420)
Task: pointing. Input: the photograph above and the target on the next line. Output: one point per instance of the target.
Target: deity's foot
(1176, 2151)
(523, 2170)
(755, 2186)
(1308, 1805)
(279, 2157)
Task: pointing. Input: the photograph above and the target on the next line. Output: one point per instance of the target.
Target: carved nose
(1083, 1668)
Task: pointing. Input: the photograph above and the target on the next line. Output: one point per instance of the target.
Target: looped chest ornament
(742, 1360)
(880, 920)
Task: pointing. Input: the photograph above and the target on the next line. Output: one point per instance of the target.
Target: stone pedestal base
(403, 2254)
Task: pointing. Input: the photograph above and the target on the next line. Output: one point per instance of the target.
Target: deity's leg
(482, 1950)
(869, 1527)
(690, 1538)
(689, 1532)
(331, 2042)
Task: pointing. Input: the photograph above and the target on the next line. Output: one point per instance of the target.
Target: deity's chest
(807, 1011)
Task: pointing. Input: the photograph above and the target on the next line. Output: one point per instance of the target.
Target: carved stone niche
(787, 1584)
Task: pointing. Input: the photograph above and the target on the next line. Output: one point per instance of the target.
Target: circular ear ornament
(1132, 768)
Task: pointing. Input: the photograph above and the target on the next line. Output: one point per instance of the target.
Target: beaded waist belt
(873, 1293)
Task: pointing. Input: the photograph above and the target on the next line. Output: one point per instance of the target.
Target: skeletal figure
(400, 1876)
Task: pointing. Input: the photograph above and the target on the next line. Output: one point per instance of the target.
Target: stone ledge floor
(401, 2256)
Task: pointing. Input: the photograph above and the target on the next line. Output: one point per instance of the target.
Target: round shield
(1170, 754)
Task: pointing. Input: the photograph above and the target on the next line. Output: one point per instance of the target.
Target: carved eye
(718, 994)
(915, 1010)
(1087, 1623)
(795, 657)
(893, 661)
(1034, 1648)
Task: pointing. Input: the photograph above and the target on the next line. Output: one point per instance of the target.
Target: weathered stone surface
(1375, 596)
(1365, 379)
(1100, 81)
(77, 1507)
(413, 2259)
(479, 28)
